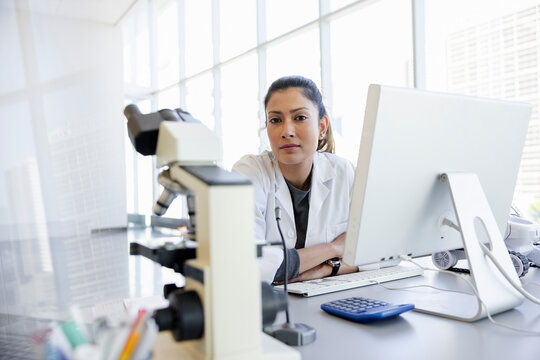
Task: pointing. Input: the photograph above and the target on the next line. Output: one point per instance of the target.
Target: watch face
(333, 262)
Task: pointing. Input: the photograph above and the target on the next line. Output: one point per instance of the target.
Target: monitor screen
(410, 137)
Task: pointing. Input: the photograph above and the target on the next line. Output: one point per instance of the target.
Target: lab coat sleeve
(252, 167)
(269, 262)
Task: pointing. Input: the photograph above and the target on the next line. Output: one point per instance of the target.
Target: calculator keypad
(361, 309)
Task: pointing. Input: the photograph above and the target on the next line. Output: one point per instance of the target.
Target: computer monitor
(409, 138)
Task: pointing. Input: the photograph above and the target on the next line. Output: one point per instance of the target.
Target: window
(298, 55)
(200, 100)
(198, 36)
(167, 50)
(364, 61)
(283, 16)
(216, 59)
(237, 36)
(239, 109)
(491, 52)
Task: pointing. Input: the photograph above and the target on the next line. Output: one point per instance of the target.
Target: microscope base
(165, 347)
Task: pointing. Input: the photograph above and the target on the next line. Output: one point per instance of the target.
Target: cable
(419, 286)
(278, 219)
(409, 259)
(518, 287)
(509, 232)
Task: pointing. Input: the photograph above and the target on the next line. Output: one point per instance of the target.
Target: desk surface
(415, 335)
(95, 269)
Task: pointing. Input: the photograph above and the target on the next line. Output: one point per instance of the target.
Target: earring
(322, 136)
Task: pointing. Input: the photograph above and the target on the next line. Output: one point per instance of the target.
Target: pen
(134, 336)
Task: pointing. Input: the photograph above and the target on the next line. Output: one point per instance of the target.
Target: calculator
(364, 310)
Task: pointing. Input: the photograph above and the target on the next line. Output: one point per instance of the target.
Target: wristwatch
(335, 264)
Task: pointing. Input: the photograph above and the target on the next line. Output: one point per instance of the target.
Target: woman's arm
(314, 256)
(323, 270)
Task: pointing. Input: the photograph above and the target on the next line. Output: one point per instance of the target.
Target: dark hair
(310, 90)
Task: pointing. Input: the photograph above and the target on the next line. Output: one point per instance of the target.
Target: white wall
(61, 102)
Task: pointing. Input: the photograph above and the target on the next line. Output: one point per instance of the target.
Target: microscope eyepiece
(143, 129)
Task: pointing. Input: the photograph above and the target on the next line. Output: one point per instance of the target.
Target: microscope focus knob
(184, 317)
(169, 289)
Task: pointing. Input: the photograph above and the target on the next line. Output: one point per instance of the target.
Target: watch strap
(335, 263)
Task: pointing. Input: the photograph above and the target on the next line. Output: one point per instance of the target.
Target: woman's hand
(346, 269)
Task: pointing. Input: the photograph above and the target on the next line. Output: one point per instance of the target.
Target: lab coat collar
(322, 173)
(283, 196)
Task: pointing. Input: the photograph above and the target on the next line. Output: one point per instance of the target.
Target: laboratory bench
(96, 271)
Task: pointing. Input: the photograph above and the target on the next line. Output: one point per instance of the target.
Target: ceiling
(102, 11)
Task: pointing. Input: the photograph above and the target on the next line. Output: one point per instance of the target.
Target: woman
(303, 177)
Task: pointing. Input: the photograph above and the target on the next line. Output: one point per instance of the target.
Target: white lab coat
(331, 192)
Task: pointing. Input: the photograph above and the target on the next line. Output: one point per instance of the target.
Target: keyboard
(351, 281)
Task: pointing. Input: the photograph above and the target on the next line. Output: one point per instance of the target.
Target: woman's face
(293, 126)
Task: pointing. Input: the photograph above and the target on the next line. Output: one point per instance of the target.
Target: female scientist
(303, 177)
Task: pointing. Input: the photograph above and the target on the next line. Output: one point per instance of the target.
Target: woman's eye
(301, 117)
(274, 120)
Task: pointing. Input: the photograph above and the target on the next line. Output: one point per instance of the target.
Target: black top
(300, 201)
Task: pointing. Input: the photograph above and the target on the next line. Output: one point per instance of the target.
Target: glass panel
(198, 29)
(491, 52)
(237, 36)
(136, 48)
(142, 58)
(12, 69)
(130, 169)
(167, 44)
(19, 161)
(145, 173)
(284, 15)
(200, 100)
(357, 63)
(169, 99)
(299, 55)
(239, 106)
(338, 4)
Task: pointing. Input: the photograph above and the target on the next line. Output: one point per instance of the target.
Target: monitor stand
(471, 206)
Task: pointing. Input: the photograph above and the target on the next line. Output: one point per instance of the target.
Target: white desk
(92, 269)
(414, 335)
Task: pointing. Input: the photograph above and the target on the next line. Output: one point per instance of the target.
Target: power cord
(294, 334)
(469, 282)
(285, 263)
(518, 287)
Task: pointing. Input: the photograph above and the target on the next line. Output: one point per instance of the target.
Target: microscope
(221, 311)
